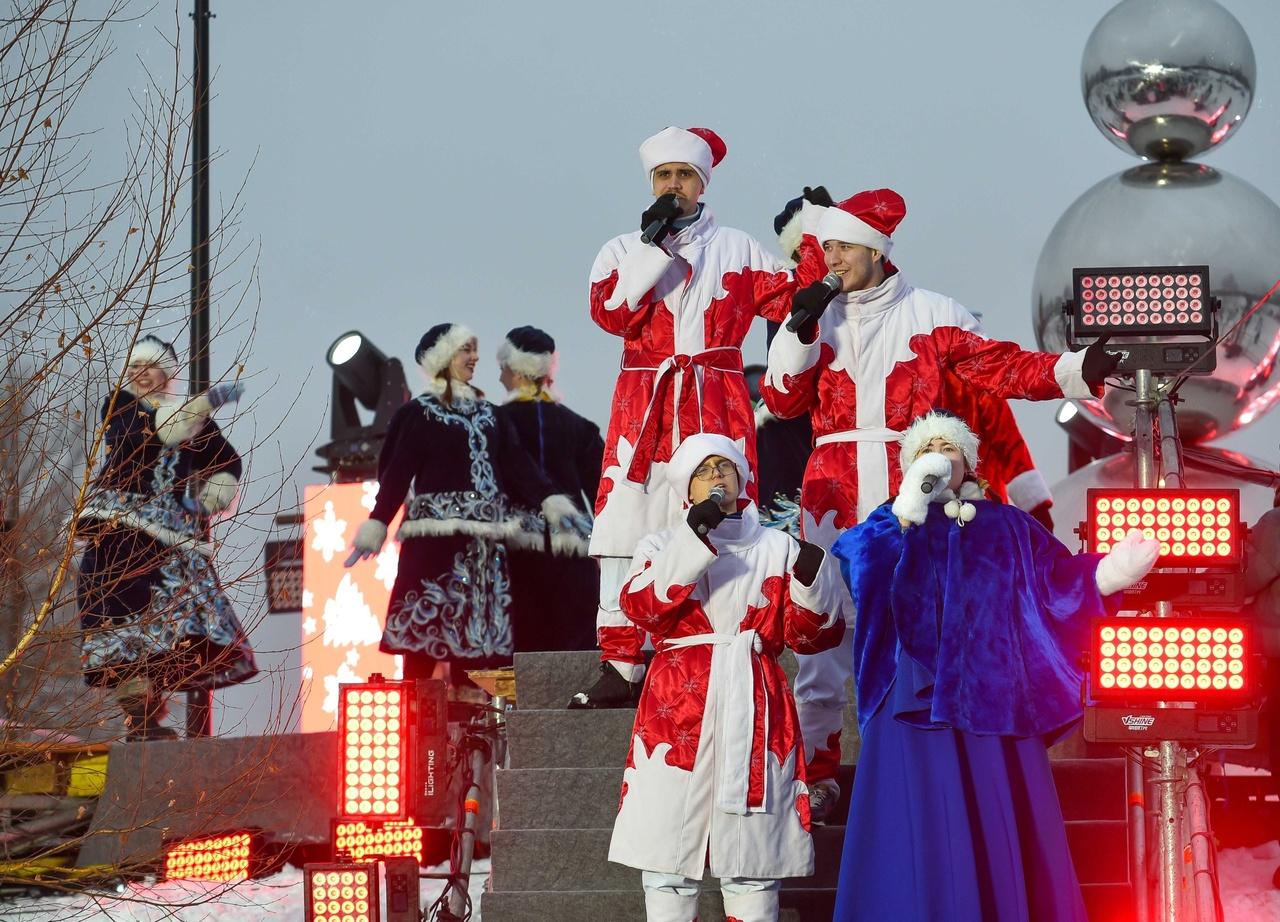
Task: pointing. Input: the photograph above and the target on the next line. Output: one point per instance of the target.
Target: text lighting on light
(1171, 659)
(373, 746)
(340, 893)
(1141, 301)
(358, 840)
(1195, 528)
(220, 858)
(343, 610)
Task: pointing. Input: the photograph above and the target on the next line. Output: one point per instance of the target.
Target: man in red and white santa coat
(682, 305)
(872, 361)
(715, 776)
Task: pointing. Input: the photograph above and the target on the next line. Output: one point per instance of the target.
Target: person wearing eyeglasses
(715, 775)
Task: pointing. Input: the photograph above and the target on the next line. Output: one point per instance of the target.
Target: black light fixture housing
(363, 374)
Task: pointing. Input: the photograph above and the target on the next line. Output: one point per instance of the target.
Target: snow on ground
(278, 897)
(1244, 875)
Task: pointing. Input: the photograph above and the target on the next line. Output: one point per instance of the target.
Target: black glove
(1098, 363)
(809, 303)
(704, 516)
(807, 563)
(818, 195)
(1041, 514)
(665, 208)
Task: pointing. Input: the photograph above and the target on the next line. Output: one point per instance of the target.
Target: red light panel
(1142, 300)
(361, 841)
(1170, 659)
(222, 858)
(373, 736)
(1195, 528)
(341, 893)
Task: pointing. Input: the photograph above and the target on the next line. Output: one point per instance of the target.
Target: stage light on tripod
(340, 893)
(369, 841)
(227, 857)
(1140, 301)
(1171, 659)
(373, 737)
(1195, 528)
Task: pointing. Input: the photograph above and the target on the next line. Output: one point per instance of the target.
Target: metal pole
(199, 708)
(1145, 398)
(1200, 837)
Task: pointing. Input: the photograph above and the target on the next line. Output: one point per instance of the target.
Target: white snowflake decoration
(370, 495)
(308, 598)
(344, 676)
(348, 621)
(329, 533)
(387, 563)
(309, 626)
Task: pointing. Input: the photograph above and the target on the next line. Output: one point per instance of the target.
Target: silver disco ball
(1178, 214)
(1168, 79)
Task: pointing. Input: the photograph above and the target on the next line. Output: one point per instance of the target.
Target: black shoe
(610, 691)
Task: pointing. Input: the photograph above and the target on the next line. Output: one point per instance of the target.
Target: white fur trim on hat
(436, 359)
(149, 350)
(696, 449)
(932, 426)
(530, 364)
(675, 145)
(838, 224)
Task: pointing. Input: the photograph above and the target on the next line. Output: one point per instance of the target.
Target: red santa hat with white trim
(868, 218)
(701, 148)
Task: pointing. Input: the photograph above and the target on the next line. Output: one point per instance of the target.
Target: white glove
(368, 541)
(556, 508)
(1126, 563)
(219, 493)
(912, 503)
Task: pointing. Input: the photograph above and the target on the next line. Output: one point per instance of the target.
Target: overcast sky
(406, 163)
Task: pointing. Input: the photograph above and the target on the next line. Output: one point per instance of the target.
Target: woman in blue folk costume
(971, 618)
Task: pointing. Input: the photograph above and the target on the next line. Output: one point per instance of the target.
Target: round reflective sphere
(1117, 471)
(1168, 79)
(1178, 214)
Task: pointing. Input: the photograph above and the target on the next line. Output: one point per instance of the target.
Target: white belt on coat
(872, 472)
(735, 717)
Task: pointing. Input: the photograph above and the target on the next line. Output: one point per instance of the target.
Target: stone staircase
(558, 798)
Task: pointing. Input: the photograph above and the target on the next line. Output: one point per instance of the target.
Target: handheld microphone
(803, 315)
(657, 228)
(930, 482)
(719, 494)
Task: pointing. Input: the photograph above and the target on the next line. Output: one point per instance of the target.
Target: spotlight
(1195, 528)
(359, 840)
(1198, 660)
(374, 740)
(340, 892)
(229, 857)
(1086, 442)
(361, 373)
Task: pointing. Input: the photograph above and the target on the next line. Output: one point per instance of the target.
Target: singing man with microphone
(681, 292)
(864, 360)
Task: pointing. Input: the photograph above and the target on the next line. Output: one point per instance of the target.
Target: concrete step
(628, 906)
(581, 798)
(596, 739)
(577, 860)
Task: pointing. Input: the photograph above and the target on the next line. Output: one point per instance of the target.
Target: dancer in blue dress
(971, 618)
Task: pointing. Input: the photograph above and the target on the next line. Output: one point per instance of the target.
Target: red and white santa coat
(878, 363)
(716, 771)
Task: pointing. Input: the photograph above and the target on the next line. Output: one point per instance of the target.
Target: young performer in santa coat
(971, 619)
(715, 776)
(554, 586)
(683, 306)
(864, 366)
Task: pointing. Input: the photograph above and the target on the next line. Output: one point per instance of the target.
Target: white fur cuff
(1028, 490)
(638, 272)
(558, 507)
(1067, 371)
(219, 492)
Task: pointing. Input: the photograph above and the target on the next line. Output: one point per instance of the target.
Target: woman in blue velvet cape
(971, 619)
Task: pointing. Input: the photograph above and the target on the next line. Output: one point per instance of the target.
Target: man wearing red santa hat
(682, 295)
(864, 364)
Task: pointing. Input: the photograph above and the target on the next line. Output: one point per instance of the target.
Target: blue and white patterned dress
(151, 604)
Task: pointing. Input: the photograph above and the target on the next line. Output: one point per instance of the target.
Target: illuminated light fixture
(1203, 660)
(228, 857)
(373, 740)
(361, 374)
(1195, 528)
(340, 893)
(1140, 301)
(370, 841)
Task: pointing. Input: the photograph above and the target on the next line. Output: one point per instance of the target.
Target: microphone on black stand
(802, 315)
(660, 227)
(719, 494)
